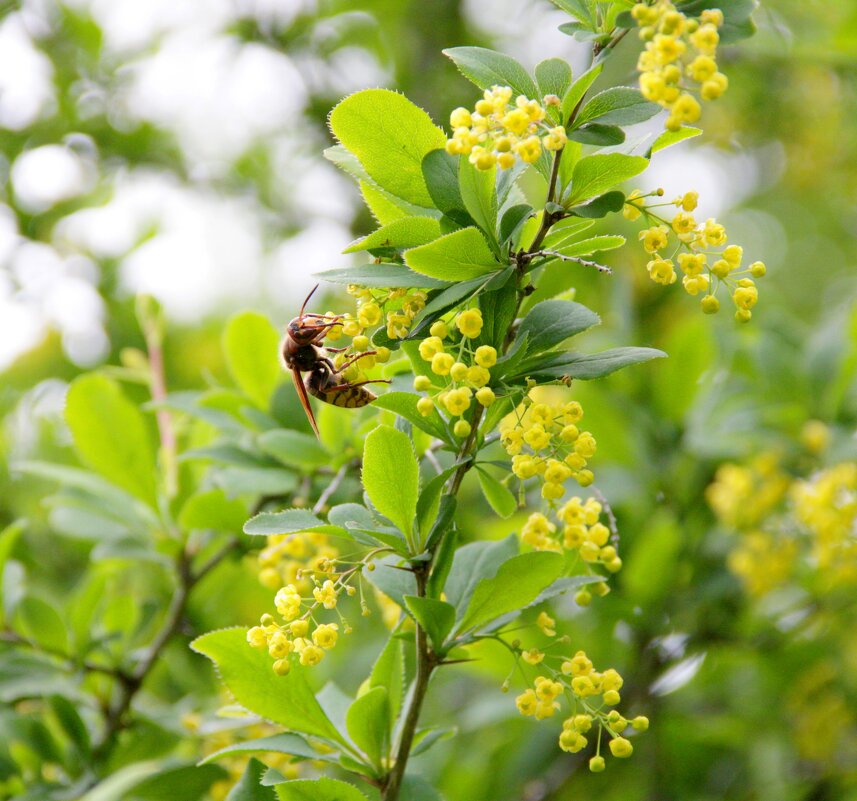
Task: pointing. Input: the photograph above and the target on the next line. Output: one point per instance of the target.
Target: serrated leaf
(251, 345)
(404, 404)
(323, 789)
(479, 195)
(291, 521)
(596, 174)
(440, 170)
(435, 616)
(518, 581)
(670, 138)
(368, 723)
(582, 10)
(110, 435)
(384, 275)
(553, 76)
(390, 136)
(500, 498)
(578, 90)
(429, 502)
(473, 562)
(595, 244)
(487, 68)
(391, 476)
(551, 322)
(287, 700)
(291, 744)
(513, 218)
(294, 448)
(249, 787)
(404, 233)
(459, 256)
(382, 205)
(619, 105)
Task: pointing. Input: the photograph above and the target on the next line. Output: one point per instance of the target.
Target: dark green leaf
(384, 275)
(41, 623)
(251, 344)
(457, 256)
(619, 105)
(440, 170)
(598, 134)
(429, 502)
(551, 322)
(502, 501)
(587, 366)
(578, 90)
(605, 204)
(187, 782)
(478, 191)
(393, 577)
(553, 76)
(513, 218)
(595, 175)
(473, 562)
(436, 617)
(389, 672)
(294, 448)
(368, 723)
(487, 68)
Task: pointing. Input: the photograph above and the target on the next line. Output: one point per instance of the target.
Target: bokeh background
(175, 148)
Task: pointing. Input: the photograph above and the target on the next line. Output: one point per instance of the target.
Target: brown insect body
(303, 352)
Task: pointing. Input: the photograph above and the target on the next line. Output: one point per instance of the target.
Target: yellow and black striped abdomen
(351, 398)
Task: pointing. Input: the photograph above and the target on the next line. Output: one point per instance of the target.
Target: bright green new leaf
(323, 789)
(487, 68)
(498, 495)
(407, 232)
(390, 136)
(670, 138)
(517, 582)
(435, 616)
(620, 105)
(479, 195)
(287, 700)
(389, 672)
(251, 346)
(8, 538)
(458, 256)
(582, 10)
(551, 322)
(391, 476)
(290, 521)
(111, 436)
(381, 204)
(404, 404)
(368, 723)
(594, 175)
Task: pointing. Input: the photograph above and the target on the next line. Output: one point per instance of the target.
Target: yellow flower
(733, 255)
(288, 602)
(529, 149)
(710, 305)
(621, 748)
(686, 108)
(485, 396)
(683, 223)
(326, 595)
(572, 741)
(441, 363)
(745, 295)
(457, 402)
(655, 238)
(523, 466)
(633, 204)
(578, 665)
(547, 689)
(485, 356)
(311, 655)
(425, 406)
(611, 680)
(439, 329)
(667, 49)
(299, 628)
(325, 635)
(713, 234)
(547, 624)
(430, 347)
(714, 87)
(256, 637)
(458, 371)
(461, 429)
(702, 68)
(537, 438)
(597, 764)
(527, 702)
(556, 139)
(652, 86)
(470, 323)
(279, 645)
(459, 118)
(478, 376)
(557, 472)
(705, 39)
(691, 264)
(532, 657)
(693, 285)
(516, 121)
(369, 314)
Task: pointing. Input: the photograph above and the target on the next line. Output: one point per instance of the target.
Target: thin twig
(611, 518)
(552, 254)
(334, 484)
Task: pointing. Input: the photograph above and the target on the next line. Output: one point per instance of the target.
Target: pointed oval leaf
(368, 723)
(251, 343)
(553, 321)
(458, 256)
(596, 174)
(619, 105)
(487, 68)
(407, 232)
(391, 476)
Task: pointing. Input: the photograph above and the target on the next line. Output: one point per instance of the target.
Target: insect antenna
(306, 300)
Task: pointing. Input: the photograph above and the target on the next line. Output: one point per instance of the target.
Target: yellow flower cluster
(294, 558)
(743, 496)
(591, 694)
(394, 308)
(693, 244)
(460, 373)
(544, 440)
(679, 60)
(298, 611)
(498, 131)
(578, 528)
(826, 505)
(762, 561)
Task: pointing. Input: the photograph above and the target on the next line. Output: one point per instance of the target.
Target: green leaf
(407, 232)
(429, 502)
(598, 134)
(41, 623)
(474, 562)
(440, 170)
(594, 244)
(513, 218)
(247, 673)
(553, 76)
(458, 256)
(670, 138)
(551, 322)
(389, 672)
(736, 24)
(368, 723)
(426, 738)
(594, 175)
(294, 448)
(323, 789)
(251, 346)
(518, 581)
(404, 404)
(8, 538)
(291, 521)
(390, 136)
(605, 204)
(418, 788)
(587, 366)
(249, 786)
(383, 275)
(498, 313)
(71, 723)
(110, 435)
(187, 782)
(436, 617)
(487, 68)
(212, 510)
(290, 744)
(393, 578)
(382, 205)
(581, 10)
(502, 501)
(479, 194)
(578, 90)
(391, 476)
(619, 105)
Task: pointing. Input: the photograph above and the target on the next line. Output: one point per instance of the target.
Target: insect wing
(302, 394)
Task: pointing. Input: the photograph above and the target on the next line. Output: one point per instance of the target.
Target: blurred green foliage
(730, 681)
